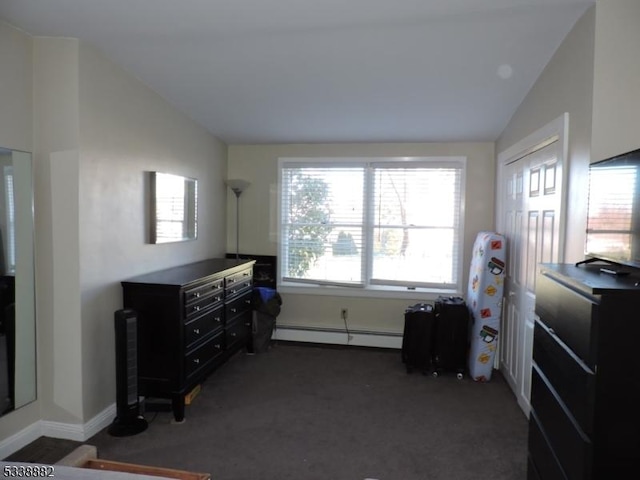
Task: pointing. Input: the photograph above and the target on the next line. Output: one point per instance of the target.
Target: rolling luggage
(417, 338)
(451, 336)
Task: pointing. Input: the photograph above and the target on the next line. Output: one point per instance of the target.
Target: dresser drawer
(237, 333)
(571, 446)
(571, 316)
(237, 307)
(237, 283)
(203, 326)
(204, 354)
(543, 464)
(572, 380)
(203, 304)
(196, 293)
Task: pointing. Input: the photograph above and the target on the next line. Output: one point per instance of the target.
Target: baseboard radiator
(337, 336)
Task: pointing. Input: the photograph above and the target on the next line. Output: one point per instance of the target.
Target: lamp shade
(237, 185)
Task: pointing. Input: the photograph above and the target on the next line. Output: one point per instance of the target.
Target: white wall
(258, 164)
(565, 85)
(616, 95)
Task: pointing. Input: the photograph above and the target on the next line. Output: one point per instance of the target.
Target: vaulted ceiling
(302, 71)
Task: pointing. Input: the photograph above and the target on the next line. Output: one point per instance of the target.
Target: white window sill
(370, 292)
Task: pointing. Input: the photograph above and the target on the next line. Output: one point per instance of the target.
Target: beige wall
(125, 130)
(56, 157)
(94, 131)
(565, 85)
(16, 132)
(16, 101)
(616, 95)
(258, 164)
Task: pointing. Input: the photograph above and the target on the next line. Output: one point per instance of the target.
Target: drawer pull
(245, 274)
(233, 310)
(196, 308)
(196, 361)
(232, 291)
(217, 298)
(233, 334)
(217, 319)
(247, 284)
(196, 331)
(231, 280)
(217, 346)
(248, 302)
(196, 295)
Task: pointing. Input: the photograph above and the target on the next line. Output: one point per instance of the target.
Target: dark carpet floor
(45, 450)
(309, 412)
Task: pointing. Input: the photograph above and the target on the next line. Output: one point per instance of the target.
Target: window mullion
(369, 212)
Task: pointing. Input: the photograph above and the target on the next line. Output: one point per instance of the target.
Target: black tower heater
(128, 419)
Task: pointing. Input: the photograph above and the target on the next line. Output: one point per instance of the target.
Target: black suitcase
(417, 338)
(451, 343)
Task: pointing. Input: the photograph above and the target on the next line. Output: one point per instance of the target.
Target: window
(392, 224)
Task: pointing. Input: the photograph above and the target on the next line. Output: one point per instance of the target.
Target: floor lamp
(237, 186)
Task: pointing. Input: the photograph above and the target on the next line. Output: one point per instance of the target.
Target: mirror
(174, 208)
(17, 282)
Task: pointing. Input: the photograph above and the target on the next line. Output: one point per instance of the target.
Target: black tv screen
(613, 221)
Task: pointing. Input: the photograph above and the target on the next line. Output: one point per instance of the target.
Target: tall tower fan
(128, 419)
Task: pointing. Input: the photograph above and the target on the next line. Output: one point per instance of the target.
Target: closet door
(531, 205)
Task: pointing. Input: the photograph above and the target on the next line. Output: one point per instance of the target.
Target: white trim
(374, 291)
(556, 128)
(80, 432)
(68, 431)
(338, 337)
(20, 439)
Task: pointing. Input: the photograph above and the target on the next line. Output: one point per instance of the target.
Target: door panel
(532, 206)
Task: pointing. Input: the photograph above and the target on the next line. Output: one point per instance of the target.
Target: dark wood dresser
(585, 393)
(190, 320)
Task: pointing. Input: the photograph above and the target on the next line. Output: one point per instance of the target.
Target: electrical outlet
(344, 314)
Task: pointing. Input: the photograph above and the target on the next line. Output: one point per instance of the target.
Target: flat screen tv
(613, 221)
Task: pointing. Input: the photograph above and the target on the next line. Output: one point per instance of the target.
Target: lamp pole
(237, 186)
(237, 191)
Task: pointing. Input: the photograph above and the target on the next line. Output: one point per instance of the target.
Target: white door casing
(530, 214)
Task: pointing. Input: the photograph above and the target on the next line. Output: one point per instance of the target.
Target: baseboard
(338, 337)
(67, 431)
(79, 432)
(20, 439)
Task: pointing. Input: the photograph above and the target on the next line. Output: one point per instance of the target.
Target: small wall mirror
(174, 208)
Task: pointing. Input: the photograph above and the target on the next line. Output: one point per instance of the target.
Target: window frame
(369, 288)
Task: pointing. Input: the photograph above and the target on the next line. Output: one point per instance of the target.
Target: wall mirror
(17, 282)
(174, 208)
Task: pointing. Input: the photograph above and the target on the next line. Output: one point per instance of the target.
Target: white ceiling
(303, 71)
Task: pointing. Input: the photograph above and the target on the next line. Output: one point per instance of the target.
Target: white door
(532, 203)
